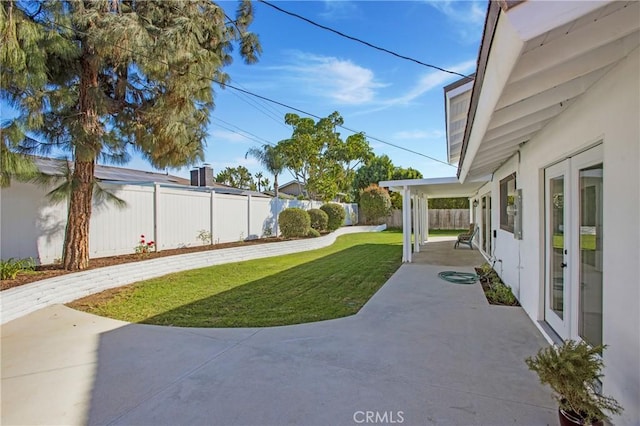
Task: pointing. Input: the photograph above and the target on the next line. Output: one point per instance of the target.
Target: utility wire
(366, 43)
(251, 135)
(273, 101)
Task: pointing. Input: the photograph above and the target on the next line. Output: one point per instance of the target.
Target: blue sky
(317, 71)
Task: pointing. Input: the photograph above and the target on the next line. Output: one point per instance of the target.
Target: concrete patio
(421, 351)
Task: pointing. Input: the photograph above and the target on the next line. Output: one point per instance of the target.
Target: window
(507, 202)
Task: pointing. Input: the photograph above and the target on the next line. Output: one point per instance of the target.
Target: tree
(400, 173)
(318, 157)
(449, 203)
(376, 170)
(271, 159)
(375, 204)
(100, 79)
(259, 180)
(237, 177)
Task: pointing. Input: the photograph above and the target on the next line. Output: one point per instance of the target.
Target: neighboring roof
(51, 166)
(291, 183)
(535, 60)
(447, 187)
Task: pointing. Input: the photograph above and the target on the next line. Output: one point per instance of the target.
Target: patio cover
(419, 191)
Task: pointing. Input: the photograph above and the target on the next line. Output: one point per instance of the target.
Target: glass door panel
(557, 288)
(557, 264)
(590, 263)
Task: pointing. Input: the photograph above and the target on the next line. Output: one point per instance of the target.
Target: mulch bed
(49, 271)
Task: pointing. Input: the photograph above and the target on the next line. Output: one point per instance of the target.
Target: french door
(573, 246)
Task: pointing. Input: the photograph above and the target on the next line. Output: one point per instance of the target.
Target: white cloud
(429, 81)
(340, 80)
(467, 12)
(467, 17)
(227, 136)
(432, 80)
(418, 134)
(339, 9)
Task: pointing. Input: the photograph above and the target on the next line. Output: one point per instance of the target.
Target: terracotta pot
(569, 418)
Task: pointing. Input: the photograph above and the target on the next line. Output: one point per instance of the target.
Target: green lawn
(447, 232)
(587, 241)
(332, 282)
(439, 232)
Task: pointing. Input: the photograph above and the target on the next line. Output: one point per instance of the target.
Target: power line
(366, 43)
(273, 101)
(251, 135)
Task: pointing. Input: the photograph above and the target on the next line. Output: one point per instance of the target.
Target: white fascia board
(532, 18)
(399, 185)
(460, 89)
(503, 56)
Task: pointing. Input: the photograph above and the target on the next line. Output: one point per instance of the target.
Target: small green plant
(572, 370)
(204, 236)
(500, 294)
(144, 247)
(11, 267)
(496, 291)
(336, 215)
(267, 231)
(241, 237)
(294, 223)
(313, 233)
(319, 219)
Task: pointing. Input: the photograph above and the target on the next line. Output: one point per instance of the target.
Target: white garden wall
(171, 216)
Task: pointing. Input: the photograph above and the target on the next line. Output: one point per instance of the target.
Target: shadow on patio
(440, 251)
(421, 349)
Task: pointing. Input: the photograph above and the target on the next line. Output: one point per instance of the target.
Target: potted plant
(572, 371)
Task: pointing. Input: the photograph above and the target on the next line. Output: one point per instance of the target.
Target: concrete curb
(19, 301)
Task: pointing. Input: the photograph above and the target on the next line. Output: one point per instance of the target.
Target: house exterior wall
(172, 217)
(292, 189)
(608, 112)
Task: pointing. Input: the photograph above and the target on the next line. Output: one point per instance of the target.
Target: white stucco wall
(607, 112)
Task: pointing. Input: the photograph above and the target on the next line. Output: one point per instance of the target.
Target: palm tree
(259, 177)
(271, 159)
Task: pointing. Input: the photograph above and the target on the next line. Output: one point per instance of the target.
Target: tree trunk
(275, 184)
(76, 244)
(87, 147)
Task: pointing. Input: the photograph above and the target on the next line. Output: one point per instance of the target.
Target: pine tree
(101, 79)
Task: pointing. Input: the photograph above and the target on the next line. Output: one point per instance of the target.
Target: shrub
(10, 268)
(313, 233)
(375, 204)
(319, 219)
(500, 294)
(294, 222)
(336, 215)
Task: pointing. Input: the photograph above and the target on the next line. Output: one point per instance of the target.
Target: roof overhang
(456, 106)
(536, 59)
(447, 187)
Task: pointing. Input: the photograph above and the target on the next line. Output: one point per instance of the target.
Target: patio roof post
(416, 223)
(425, 218)
(406, 224)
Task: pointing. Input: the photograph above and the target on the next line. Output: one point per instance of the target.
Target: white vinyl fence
(171, 216)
